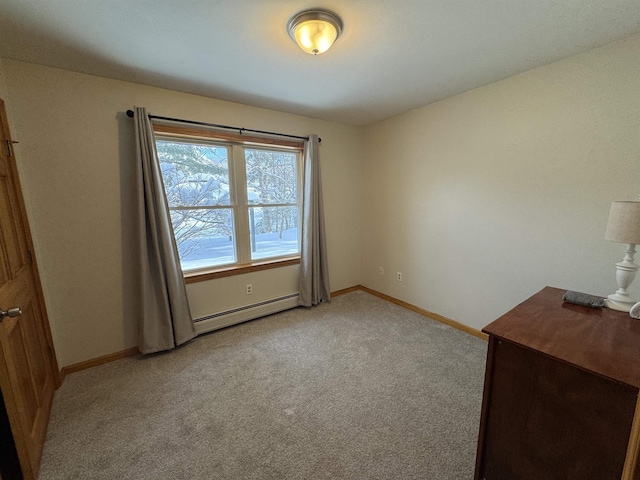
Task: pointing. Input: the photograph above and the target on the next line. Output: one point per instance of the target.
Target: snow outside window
(231, 203)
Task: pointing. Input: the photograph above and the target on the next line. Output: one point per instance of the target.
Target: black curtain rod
(214, 125)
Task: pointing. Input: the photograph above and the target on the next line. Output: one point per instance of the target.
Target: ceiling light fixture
(315, 30)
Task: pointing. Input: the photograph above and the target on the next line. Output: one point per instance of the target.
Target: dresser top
(598, 340)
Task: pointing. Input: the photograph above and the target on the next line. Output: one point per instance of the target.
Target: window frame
(237, 143)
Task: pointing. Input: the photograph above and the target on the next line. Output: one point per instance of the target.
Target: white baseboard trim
(243, 314)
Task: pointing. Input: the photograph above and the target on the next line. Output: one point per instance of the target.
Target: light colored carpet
(356, 389)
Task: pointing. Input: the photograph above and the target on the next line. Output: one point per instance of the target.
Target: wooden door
(28, 367)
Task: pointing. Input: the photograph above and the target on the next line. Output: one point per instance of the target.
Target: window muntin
(230, 203)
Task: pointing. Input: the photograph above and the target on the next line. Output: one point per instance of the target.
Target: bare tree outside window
(274, 213)
(202, 195)
(196, 180)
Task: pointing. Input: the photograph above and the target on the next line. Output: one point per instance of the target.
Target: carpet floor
(359, 388)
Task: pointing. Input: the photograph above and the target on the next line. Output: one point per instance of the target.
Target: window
(231, 203)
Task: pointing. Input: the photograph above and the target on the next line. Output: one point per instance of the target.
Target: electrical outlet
(381, 271)
(249, 289)
(399, 276)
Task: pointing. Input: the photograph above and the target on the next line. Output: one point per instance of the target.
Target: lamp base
(625, 273)
(619, 302)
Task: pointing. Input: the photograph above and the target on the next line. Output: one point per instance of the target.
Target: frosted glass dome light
(315, 30)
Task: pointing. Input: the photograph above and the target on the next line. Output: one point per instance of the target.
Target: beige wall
(4, 89)
(479, 200)
(483, 199)
(76, 164)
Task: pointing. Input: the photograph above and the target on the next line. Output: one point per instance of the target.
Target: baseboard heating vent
(247, 312)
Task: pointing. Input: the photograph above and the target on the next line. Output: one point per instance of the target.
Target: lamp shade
(624, 223)
(315, 30)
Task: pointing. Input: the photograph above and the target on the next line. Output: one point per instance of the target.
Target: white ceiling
(394, 55)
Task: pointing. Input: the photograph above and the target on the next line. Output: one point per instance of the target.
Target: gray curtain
(165, 320)
(313, 283)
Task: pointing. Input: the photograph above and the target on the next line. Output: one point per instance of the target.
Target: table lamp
(624, 227)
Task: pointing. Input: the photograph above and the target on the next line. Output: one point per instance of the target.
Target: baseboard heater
(242, 314)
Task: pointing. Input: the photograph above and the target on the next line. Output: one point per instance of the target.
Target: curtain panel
(165, 320)
(313, 283)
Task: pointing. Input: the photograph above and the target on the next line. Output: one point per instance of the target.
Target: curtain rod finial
(130, 113)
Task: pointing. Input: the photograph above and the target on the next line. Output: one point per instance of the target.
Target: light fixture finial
(315, 30)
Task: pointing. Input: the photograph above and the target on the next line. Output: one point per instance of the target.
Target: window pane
(271, 177)
(194, 175)
(274, 231)
(204, 237)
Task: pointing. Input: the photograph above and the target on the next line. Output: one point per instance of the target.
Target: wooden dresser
(561, 394)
